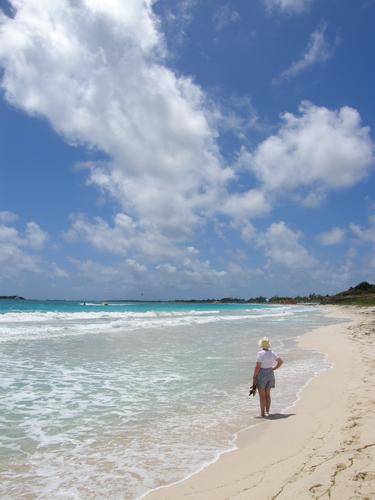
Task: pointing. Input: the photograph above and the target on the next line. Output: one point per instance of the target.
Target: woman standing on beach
(264, 379)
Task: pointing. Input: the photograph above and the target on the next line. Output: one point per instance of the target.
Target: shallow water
(112, 401)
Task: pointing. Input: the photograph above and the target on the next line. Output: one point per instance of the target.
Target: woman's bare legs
(268, 400)
(262, 401)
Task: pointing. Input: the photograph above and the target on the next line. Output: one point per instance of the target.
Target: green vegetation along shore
(363, 294)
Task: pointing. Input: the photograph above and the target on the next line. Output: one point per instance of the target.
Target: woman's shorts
(266, 379)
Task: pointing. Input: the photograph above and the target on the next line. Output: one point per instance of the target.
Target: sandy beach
(323, 446)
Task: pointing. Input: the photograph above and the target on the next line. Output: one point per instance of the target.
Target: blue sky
(193, 149)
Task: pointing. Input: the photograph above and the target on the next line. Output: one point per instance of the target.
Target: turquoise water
(113, 401)
(70, 306)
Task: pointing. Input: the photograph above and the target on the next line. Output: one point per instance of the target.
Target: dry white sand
(324, 447)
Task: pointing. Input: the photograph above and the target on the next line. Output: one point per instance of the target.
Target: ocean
(112, 401)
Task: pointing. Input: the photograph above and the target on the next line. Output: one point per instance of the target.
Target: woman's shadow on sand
(277, 416)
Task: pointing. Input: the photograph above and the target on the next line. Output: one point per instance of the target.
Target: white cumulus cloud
(364, 234)
(167, 267)
(318, 150)
(97, 72)
(248, 231)
(163, 280)
(122, 237)
(282, 246)
(7, 217)
(332, 237)
(35, 236)
(16, 248)
(251, 203)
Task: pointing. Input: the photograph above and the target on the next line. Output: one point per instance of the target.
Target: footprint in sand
(350, 426)
(316, 487)
(340, 466)
(364, 476)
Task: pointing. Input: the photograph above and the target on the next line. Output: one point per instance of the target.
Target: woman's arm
(279, 362)
(256, 371)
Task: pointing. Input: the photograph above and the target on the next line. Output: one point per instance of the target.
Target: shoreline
(267, 456)
(233, 445)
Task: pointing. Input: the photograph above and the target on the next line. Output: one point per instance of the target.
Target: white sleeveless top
(267, 358)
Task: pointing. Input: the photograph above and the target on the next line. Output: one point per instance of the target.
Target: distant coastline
(363, 294)
(11, 297)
